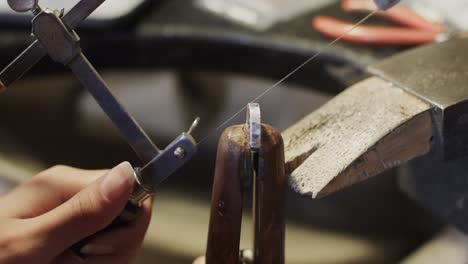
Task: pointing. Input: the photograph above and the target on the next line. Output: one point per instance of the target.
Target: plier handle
(414, 30)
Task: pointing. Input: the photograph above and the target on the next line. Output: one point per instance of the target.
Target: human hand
(42, 218)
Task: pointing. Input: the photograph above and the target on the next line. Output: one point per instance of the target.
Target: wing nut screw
(179, 153)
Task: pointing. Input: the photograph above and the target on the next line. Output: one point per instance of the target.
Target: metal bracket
(61, 44)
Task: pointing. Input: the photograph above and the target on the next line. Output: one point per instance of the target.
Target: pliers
(416, 30)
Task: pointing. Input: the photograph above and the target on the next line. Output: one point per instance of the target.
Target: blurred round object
(22, 5)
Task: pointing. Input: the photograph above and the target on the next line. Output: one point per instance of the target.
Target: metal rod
(80, 12)
(128, 127)
(22, 64)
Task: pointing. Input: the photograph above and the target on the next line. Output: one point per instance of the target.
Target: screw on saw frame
(179, 153)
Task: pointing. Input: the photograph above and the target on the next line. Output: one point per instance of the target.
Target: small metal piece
(254, 124)
(36, 11)
(194, 126)
(140, 194)
(386, 4)
(23, 5)
(179, 153)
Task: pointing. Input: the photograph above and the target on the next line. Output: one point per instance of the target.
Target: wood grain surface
(227, 197)
(370, 127)
(270, 195)
(234, 167)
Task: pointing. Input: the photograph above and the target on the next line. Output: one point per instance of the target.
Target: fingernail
(93, 249)
(119, 181)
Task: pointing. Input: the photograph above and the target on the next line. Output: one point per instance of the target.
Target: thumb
(89, 211)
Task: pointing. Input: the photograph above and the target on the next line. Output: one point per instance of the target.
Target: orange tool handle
(398, 14)
(372, 35)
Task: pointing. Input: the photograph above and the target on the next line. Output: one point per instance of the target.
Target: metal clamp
(61, 44)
